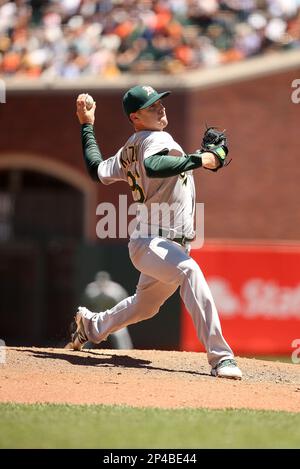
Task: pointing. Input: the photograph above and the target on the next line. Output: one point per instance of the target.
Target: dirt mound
(143, 378)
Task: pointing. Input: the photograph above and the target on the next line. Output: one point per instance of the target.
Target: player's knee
(189, 269)
(148, 311)
(151, 311)
(144, 309)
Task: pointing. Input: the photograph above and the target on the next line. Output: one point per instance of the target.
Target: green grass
(70, 426)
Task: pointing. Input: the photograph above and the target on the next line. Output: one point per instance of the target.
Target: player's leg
(198, 300)
(168, 262)
(145, 303)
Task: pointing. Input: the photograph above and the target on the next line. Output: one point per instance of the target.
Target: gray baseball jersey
(168, 203)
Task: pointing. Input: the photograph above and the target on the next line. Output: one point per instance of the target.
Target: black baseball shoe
(78, 335)
(227, 369)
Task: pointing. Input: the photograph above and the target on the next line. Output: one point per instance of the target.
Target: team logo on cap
(149, 90)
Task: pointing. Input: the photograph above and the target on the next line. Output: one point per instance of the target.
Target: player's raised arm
(91, 152)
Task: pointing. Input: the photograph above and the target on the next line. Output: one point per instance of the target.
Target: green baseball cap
(140, 97)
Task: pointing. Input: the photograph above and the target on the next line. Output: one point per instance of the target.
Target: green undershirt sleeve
(163, 165)
(91, 152)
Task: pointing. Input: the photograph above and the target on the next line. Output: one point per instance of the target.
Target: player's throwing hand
(85, 116)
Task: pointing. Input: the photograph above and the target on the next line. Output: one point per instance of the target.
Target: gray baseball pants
(164, 266)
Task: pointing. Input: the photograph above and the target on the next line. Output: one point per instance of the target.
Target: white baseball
(89, 102)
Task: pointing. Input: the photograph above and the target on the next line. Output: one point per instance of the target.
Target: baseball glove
(215, 141)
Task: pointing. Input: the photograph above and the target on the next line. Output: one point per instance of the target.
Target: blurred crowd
(72, 38)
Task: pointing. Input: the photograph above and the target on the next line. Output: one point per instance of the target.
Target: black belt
(181, 240)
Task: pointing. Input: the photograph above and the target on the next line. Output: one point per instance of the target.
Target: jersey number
(132, 176)
(137, 191)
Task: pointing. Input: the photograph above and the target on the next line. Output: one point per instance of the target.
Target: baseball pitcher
(160, 175)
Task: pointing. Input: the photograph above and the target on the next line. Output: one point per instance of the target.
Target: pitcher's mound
(143, 378)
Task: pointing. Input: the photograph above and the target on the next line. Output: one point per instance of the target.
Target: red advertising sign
(257, 292)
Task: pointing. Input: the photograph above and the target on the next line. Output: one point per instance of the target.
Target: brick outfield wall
(255, 197)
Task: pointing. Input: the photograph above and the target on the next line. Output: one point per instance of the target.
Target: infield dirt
(143, 378)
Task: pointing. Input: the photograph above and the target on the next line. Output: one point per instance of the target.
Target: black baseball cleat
(227, 369)
(78, 335)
